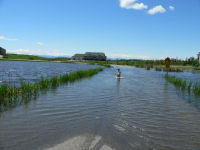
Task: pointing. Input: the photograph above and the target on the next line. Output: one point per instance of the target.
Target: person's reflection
(118, 86)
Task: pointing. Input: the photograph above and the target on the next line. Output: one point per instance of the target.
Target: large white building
(90, 56)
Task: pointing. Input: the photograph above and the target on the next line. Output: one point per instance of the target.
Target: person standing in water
(118, 73)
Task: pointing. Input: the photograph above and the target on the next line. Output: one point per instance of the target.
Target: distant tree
(31, 58)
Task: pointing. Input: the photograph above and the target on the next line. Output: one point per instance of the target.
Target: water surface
(140, 112)
(17, 71)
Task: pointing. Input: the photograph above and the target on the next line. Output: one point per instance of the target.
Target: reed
(107, 66)
(178, 82)
(196, 89)
(172, 70)
(44, 83)
(36, 88)
(54, 81)
(158, 69)
(184, 84)
(189, 86)
(10, 95)
(64, 78)
(148, 68)
(168, 70)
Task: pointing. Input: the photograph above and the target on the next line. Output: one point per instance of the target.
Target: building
(78, 57)
(2, 52)
(90, 56)
(198, 55)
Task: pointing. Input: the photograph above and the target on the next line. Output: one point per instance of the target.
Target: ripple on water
(141, 111)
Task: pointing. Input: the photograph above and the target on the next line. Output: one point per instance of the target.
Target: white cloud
(40, 43)
(7, 39)
(139, 6)
(157, 9)
(132, 4)
(171, 8)
(55, 53)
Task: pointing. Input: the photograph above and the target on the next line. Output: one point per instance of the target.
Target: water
(140, 112)
(17, 71)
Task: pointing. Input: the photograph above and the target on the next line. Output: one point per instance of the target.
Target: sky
(141, 29)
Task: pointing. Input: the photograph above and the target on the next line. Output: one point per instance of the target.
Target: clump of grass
(44, 83)
(158, 69)
(172, 70)
(189, 86)
(148, 67)
(178, 82)
(196, 89)
(184, 84)
(107, 65)
(54, 81)
(36, 88)
(10, 95)
(64, 78)
(4, 90)
(196, 68)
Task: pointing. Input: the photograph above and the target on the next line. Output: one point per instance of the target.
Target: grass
(61, 59)
(196, 89)
(196, 68)
(11, 95)
(158, 69)
(184, 84)
(100, 63)
(148, 67)
(168, 70)
(172, 70)
(32, 57)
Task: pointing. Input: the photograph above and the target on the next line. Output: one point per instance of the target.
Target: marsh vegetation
(184, 84)
(10, 95)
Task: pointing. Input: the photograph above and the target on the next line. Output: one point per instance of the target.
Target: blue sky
(120, 28)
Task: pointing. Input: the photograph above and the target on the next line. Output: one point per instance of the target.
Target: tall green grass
(168, 70)
(11, 95)
(158, 69)
(148, 68)
(172, 70)
(184, 84)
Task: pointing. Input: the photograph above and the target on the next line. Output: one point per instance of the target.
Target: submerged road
(84, 142)
(140, 112)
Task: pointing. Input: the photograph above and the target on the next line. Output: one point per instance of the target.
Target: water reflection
(118, 86)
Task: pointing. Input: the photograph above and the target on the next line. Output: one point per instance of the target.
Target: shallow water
(141, 111)
(16, 71)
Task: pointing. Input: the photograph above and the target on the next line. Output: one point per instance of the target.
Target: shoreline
(93, 63)
(32, 60)
(174, 67)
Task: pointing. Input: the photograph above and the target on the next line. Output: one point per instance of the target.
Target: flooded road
(16, 71)
(140, 112)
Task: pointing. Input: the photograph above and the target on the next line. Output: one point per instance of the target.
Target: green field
(31, 57)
